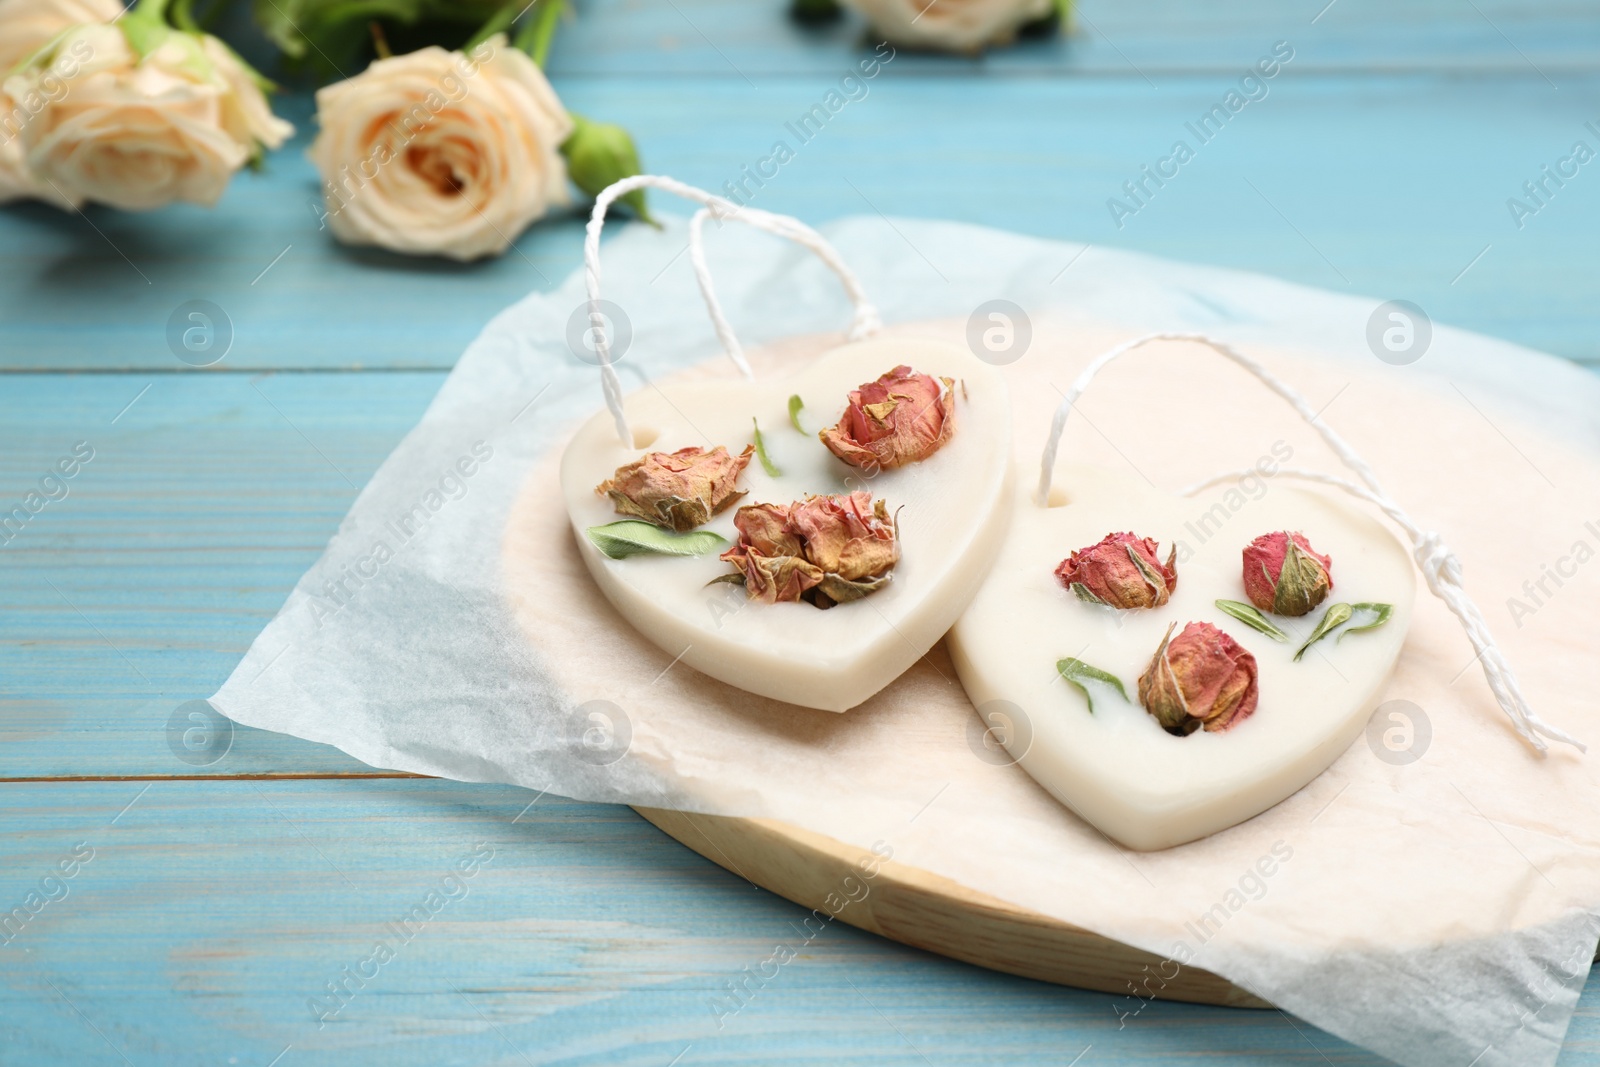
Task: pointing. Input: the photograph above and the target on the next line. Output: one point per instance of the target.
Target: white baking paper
(1439, 911)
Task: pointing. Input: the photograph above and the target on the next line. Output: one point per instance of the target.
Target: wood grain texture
(912, 906)
(203, 504)
(211, 913)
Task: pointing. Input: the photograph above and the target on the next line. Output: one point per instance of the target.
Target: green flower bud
(599, 154)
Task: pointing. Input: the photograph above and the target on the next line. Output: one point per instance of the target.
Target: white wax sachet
(951, 511)
(1115, 766)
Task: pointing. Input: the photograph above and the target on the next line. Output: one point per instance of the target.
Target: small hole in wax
(1057, 497)
(645, 436)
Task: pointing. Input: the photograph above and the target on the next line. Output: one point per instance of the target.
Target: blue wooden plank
(1390, 186)
(211, 914)
(756, 44)
(203, 499)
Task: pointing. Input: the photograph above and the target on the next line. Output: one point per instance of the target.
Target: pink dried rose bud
(1122, 571)
(824, 549)
(1283, 574)
(678, 490)
(1199, 678)
(901, 418)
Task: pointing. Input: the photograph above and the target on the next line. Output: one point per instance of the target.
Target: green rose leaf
(1368, 616)
(761, 452)
(1247, 614)
(1081, 675)
(1335, 617)
(795, 406)
(630, 537)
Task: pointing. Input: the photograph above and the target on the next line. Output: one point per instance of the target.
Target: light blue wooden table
(220, 900)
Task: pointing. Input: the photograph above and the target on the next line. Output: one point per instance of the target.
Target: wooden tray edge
(927, 911)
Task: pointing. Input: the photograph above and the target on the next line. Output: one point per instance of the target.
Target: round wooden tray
(917, 908)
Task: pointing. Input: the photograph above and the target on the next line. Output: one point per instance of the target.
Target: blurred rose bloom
(103, 123)
(441, 153)
(25, 27)
(950, 25)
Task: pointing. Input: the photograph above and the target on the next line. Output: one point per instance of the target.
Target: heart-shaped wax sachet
(1177, 716)
(812, 571)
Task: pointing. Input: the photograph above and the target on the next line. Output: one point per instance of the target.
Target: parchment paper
(1438, 911)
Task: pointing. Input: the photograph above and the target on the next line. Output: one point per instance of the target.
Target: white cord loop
(1440, 567)
(865, 323)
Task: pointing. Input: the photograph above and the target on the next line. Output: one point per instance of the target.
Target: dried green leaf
(1247, 614)
(1335, 617)
(1080, 675)
(630, 537)
(1369, 616)
(761, 452)
(795, 405)
(734, 578)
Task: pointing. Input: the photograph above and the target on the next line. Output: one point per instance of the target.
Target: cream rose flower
(138, 132)
(440, 152)
(25, 27)
(28, 25)
(950, 25)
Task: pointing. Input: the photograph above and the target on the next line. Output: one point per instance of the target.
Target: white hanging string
(1440, 567)
(866, 320)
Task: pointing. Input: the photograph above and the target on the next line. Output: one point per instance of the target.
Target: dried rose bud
(771, 555)
(1199, 678)
(824, 549)
(1283, 574)
(1123, 571)
(678, 490)
(901, 418)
